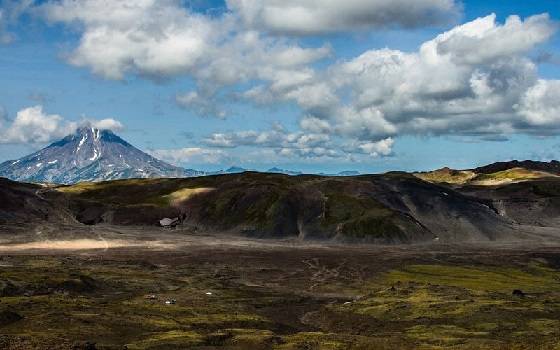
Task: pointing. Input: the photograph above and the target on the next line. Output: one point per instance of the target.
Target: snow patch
(84, 138)
(14, 163)
(53, 161)
(38, 165)
(95, 154)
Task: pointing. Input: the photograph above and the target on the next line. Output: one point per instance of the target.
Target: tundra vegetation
(280, 298)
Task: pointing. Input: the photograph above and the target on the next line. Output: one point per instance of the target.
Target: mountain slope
(500, 173)
(89, 154)
(390, 208)
(552, 167)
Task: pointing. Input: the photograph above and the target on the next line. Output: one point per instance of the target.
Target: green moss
(447, 175)
(531, 279)
(181, 338)
(313, 340)
(359, 217)
(447, 334)
(545, 327)
(514, 174)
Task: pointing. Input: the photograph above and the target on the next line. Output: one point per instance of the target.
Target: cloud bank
(311, 17)
(476, 79)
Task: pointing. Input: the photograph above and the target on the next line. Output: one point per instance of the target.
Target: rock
(518, 293)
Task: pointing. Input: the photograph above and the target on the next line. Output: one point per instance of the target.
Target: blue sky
(245, 113)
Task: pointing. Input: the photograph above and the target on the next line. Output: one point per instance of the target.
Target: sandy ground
(105, 239)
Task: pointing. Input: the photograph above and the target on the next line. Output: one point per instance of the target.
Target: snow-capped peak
(90, 154)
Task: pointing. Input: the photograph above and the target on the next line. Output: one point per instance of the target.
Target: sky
(308, 85)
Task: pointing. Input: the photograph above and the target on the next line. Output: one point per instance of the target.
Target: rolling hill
(441, 206)
(500, 173)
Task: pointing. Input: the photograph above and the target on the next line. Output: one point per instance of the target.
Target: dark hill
(391, 208)
(552, 167)
(22, 203)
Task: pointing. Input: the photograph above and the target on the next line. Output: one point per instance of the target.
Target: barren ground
(105, 287)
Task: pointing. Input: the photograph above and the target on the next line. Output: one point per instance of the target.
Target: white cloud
(380, 148)
(541, 104)
(191, 155)
(160, 38)
(151, 37)
(482, 41)
(301, 145)
(467, 81)
(308, 17)
(281, 141)
(107, 124)
(277, 137)
(475, 79)
(315, 125)
(33, 125)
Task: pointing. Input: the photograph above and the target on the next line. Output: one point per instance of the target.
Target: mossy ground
(256, 204)
(279, 300)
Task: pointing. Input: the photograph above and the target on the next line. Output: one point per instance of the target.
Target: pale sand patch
(80, 244)
(184, 194)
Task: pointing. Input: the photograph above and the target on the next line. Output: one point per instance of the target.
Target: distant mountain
(348, 173)
(235, 170)
(90, 154)
(230, 170)
(277, 170)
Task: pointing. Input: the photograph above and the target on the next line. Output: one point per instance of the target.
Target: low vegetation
(470, 177)
(261, 205)
(446, 175)
(322, 302)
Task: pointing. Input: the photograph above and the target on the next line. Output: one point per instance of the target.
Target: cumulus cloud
(304, 145)
(160, 38)
(276, 137)
(540, 106)
(191, 155)
(151, 37)
(35, 125)
(380, 148)
(482, 41)
(309, 17)
(472, 80)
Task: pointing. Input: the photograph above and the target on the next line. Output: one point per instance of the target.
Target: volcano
(89, 154)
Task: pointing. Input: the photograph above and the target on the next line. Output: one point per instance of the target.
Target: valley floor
(106, 288)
